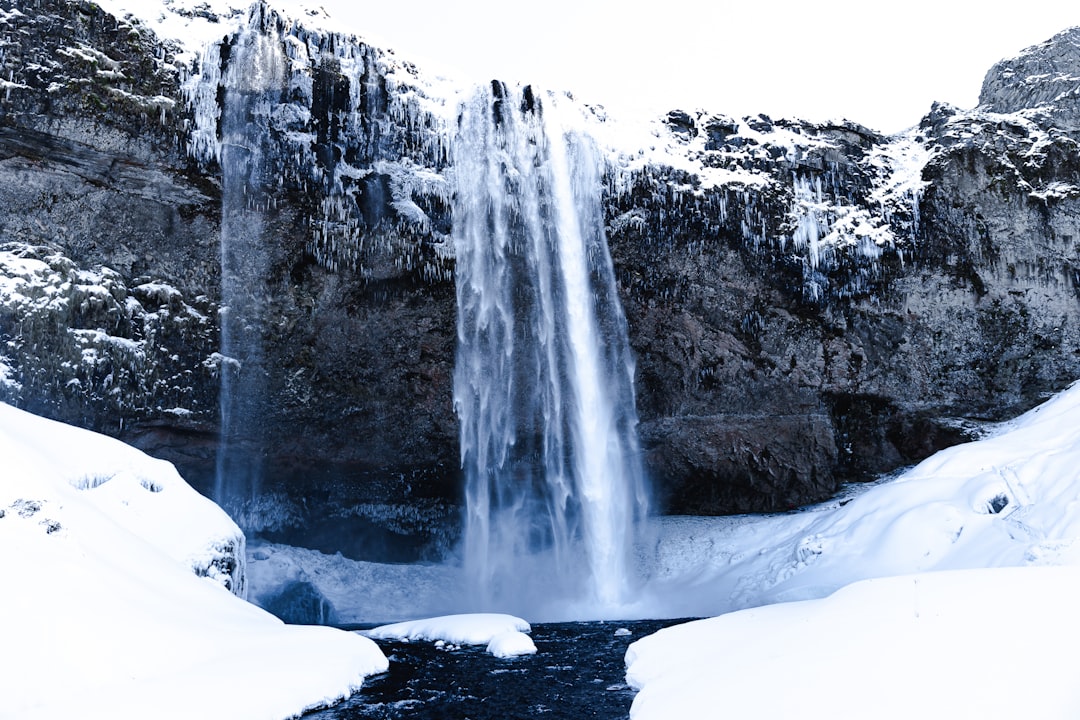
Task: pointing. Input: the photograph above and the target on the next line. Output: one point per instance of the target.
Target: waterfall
(543, 383)
(252, 84)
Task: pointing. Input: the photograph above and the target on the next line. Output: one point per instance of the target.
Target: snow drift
(979, 638)
(104, 613)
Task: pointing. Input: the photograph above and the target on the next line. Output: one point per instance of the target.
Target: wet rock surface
(799, 315)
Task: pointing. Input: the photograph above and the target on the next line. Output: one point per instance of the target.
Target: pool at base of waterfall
(577, 672)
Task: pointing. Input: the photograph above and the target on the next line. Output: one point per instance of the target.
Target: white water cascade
(252, 83)
(543, 383)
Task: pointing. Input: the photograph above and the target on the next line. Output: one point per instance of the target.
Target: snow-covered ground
(961, 644)
(103, 612)
(983, 639)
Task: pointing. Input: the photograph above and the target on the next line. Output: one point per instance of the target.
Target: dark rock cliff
(110, 245)
(808, 304)
(765, 378)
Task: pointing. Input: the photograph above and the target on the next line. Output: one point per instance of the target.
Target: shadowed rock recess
(807, 304)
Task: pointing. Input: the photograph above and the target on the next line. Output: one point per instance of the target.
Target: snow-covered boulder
(504, 635)
(511, 643)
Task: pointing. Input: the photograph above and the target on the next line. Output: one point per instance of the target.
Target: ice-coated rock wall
(806, 303)
(348, 127)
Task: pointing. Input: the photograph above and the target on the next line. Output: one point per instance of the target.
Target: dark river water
(576, 673)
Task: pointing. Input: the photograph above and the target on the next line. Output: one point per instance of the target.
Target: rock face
(808, 304)
(766, 375)
(110, 237)
(1044, 77)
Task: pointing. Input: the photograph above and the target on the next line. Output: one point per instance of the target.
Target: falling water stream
(543, 384)
(252, 85)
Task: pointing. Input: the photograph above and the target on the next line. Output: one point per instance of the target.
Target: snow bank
(143, 495)
(972, 643)
(998, 518)
(504, 635)
(98, 621)
(1006, 500)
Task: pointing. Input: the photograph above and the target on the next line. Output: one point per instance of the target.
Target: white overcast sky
(879, 64)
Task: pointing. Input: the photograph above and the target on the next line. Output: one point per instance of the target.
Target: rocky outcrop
(953, 300)
(107, 241)
(808, 304)
(110, 237)
(1043, 77)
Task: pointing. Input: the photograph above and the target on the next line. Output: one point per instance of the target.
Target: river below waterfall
(577, 672)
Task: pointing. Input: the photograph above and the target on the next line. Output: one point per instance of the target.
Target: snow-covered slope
(101, 614)
(960, 644)
(896, 639)
(143, 496)
(1005, 500)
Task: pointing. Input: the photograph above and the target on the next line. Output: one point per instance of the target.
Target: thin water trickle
(544, 377)
(252, 85)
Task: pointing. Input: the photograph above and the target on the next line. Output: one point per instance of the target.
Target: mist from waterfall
(252, 83)
(543, 383)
